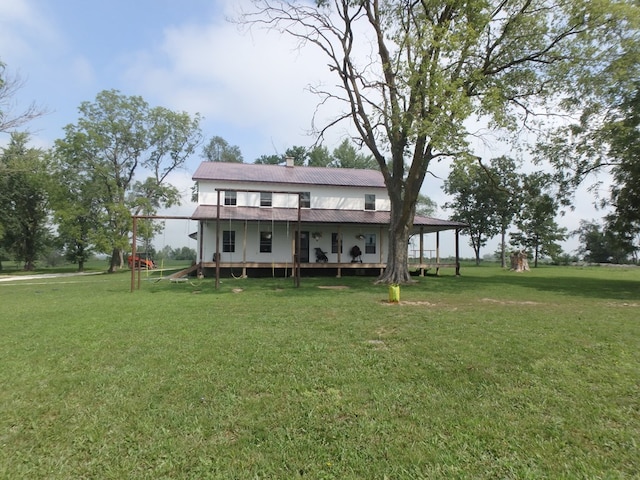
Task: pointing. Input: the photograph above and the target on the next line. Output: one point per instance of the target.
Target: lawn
(489, 375)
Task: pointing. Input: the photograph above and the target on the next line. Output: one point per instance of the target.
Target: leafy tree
(219, 150)
(433, 65)
(77, 208)
(117, 140)
(604, 137)
(504, 175)
(624, 140)
(425, 207)
(601, 245)
(319, 156)
(537, 229)
(473, 202)
(269, 159)
(24, 200)
(184, 253)
(298, 153)
(345, 155)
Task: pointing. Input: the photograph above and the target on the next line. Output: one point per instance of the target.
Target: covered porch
(297, 233)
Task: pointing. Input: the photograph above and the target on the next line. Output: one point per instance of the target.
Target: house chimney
(289, 161)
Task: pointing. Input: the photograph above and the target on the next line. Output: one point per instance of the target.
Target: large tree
(599, 244)
(219, 150)
(24, 199)
(473, 202)
(127, 150)
(411, 73)
(506, 182)
(345, 155)
(538, 231)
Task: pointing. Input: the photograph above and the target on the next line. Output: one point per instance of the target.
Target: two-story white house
(249, 216)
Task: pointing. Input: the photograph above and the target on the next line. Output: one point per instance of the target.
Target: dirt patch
(333, 287)
(508, 302)
(412, 303)
(378, 344)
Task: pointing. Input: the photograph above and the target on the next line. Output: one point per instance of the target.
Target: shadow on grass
(595, 285)
(587, 286)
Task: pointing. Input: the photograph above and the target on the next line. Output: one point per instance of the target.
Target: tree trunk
(397, 271)
(503, 252)
(519, 262)
(117, 260)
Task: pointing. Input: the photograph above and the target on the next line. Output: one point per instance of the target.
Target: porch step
(183, 273)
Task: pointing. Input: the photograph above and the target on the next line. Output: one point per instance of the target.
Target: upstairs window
(370, 243)
(228, 241)
(230, 197)
(369, 202)
(305, 200)
(265, 199)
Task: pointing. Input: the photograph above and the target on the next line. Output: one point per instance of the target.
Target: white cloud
(22, 28)
(82, 71)
(255, 84)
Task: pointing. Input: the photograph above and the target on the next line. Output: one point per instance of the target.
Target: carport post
(133, 252)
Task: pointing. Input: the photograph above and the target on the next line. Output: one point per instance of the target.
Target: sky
(252, 88)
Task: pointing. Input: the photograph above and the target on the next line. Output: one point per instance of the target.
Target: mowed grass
(492, 374)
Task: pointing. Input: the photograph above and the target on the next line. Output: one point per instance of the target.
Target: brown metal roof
(278, 174)
(209, 212)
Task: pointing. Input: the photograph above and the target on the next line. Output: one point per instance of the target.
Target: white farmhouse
(249, 216)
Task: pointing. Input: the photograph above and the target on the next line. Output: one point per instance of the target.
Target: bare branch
(11, 118)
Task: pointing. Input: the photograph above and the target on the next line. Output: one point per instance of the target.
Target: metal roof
(262, 214)
(278, 174)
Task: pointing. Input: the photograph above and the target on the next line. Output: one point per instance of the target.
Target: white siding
(282, 242)
(322, 197)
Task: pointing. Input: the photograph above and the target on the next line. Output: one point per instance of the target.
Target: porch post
(381, 255)
(133, 252)
(421, 251)
(244, 251)
(217, 255)
(298, 246)
(339, 273)
(457, 252)
(437, 253)
(201, 248)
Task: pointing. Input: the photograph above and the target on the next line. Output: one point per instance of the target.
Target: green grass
(489, 375)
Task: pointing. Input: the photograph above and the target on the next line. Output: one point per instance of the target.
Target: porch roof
(318, 216)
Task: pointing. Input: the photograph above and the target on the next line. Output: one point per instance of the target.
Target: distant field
(489, 375)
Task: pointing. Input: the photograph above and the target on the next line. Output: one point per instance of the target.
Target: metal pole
(133, 253)
(457, 252)
(421, 261)
(217, 257)
(298, 247)
(200, 246)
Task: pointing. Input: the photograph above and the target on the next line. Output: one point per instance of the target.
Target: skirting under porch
(286, 269)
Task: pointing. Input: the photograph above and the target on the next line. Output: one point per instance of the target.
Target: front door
(304, 246)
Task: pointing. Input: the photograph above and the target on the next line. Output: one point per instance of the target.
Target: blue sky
(251, 88)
